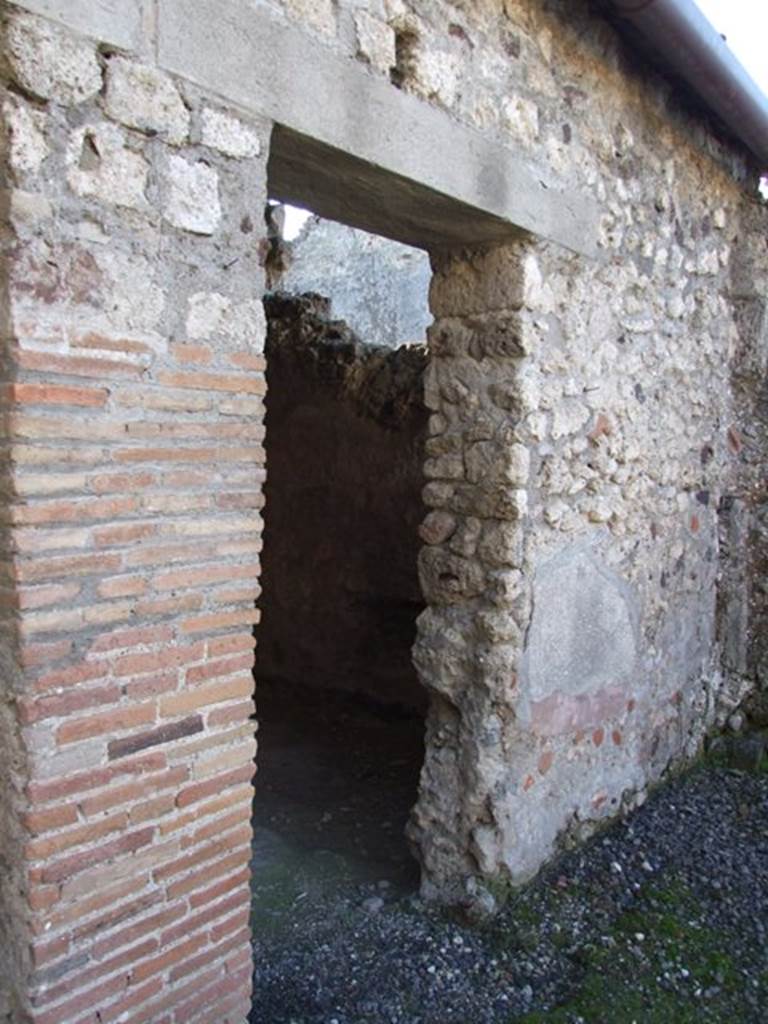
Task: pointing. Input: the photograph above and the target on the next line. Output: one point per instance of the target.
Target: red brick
(162, 734)
(118, 638)
(43, 897)
(35, 654)
(215, 827)
(160, 964)
(167, 554)
(84, 1000)
(238, 837)
(109, 343)
(237, 922)
(170, 605)
(153, 1014)
(194, 964)
(238, 795)
(248, 361)
(187, 353)
(151, 686)
(85, 976)
(48, 594)
(81, 782)
(229, 644)
(134, 998)
(72, 675)
(152, 809)
(73, 511)
(208, 873)
(196, 922)
(76, 366)
(128, 792)
(129, 533)
(39, 821)
(82, 909)
(169, 657)
(206, 575)
(219, 667)
(239, 383)
(150, 925)
(122, 586)
(50, 568)
(200, 790)
(253, 454)
(44, 952)
(97, 725)
(239, 712)
(220, 620)
(189, 700)
(237, 595)
(57, 871)
(237, 881)
(240, 499)
(35, 709)
(215, 993)
(47, 846)
(119, 483)
(56, 394)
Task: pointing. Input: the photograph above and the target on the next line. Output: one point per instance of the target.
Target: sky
(744, 23)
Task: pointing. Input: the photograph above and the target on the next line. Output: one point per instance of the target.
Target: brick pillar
(472, 567)
(133, 390)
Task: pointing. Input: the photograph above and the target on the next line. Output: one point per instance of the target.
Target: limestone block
(228, 134)
(447, 578)
(192, 200)
(28, 147)
(501, 545)
(488, 460)
(375, 41)
(145, 98)
(210, 314)
(101, 167)
(437, 527)
(48, 62)
(485, 281)
(520, 117)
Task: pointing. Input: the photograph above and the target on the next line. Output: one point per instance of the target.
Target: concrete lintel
(116, 22)
(345, 137)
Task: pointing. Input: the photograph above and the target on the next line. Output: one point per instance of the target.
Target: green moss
(641, 980)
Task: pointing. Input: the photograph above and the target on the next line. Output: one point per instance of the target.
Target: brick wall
(133, 387)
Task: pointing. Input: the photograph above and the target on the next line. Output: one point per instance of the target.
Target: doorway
(340, 708)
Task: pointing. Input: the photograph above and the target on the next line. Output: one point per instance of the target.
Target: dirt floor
(337, 778)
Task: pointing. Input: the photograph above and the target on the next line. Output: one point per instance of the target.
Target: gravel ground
(661, 919)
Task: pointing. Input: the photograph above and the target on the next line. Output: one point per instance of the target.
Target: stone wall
(595, 459)
(345, 431)
(378, 287)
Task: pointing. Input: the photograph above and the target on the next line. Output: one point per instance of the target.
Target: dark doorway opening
(339, 705)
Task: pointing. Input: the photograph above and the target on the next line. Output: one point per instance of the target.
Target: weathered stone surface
(102, 167)
(211, 314)
(49, 62)
(27, 137)
(192, 196)
(228, 134)
(142, 97)
(377, 286)
(375, 41)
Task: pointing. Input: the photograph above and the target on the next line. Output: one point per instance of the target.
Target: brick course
(134, 495)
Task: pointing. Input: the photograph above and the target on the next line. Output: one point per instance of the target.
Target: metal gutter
(681, 34)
